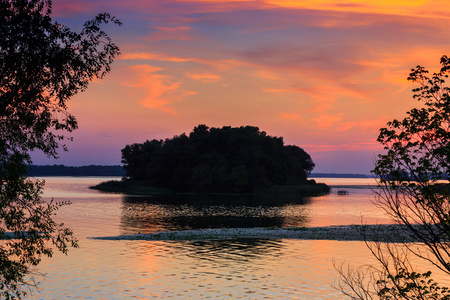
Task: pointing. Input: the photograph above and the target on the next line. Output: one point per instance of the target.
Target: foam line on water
(385, 233)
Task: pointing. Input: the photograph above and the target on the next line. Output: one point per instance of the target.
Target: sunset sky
(325, 75)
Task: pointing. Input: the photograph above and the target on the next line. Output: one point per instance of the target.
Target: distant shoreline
(81, 171)
(339, 175)
(118, 171)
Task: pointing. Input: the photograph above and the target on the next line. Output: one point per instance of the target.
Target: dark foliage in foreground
(228, 159)
(414, 191)
(43, 64)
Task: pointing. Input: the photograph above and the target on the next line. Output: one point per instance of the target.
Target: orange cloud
(418, 8)
(204, 77)
(275, 91)
(363, 145)
(397, 7)
(161, 91)
(224, 64)
(150, 56)
(219, 1)
(291, 116)
(327, 121)
(170, 33)
(267, 75)
(362, 125)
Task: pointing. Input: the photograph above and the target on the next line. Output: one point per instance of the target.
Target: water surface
(236, 269)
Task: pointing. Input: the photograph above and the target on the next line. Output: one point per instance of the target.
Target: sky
(324, 75)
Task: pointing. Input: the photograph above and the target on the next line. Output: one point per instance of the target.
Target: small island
(231, 160)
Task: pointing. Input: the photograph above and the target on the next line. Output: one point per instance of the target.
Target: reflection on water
(186, 212)
(151, 214)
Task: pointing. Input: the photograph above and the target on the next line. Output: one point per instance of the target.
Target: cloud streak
(160, 91)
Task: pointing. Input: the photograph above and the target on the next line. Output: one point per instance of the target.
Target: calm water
(244, 268)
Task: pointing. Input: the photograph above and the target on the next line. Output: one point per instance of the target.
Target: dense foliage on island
(61, 170)
(218, 160)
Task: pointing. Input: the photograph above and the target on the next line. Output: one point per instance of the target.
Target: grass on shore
(129, 187)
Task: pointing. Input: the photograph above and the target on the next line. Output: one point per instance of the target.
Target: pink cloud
(150, 56)
(161, 91)
(363, 145)
(158, 8)
(362, 125)
(327, 121)
(204, 77)
(402, 8)
(277, 91)
(291, 116)
(267, 75)
(171, 33)
(224, 64)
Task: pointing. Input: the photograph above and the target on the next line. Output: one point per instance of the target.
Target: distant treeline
(338, 175)
(61, 170)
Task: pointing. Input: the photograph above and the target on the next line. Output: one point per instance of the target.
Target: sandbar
(383, 233)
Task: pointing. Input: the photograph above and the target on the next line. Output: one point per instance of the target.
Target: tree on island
(415, 192)
(42, 65)
(228, 159)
